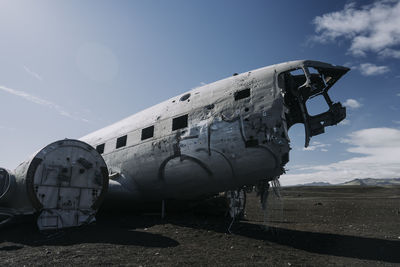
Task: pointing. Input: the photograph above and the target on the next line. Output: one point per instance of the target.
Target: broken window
(121, 141)
(180, 122)
(209, 107)
(100, 148)
(185, 97)
(148, 132)
(316, 105)
(306, 97)
(242, 94)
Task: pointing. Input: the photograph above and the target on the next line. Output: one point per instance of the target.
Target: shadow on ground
(120, 230)
(107, 230)
(322, 243)
(329, 244)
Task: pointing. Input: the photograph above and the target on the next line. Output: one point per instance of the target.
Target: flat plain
(308, 226)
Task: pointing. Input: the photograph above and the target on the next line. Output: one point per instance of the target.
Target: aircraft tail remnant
(226, 136)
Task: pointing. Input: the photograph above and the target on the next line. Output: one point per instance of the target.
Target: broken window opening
(316, 105)
(245, 93)
(147, 132)
(121, 141)
(312, 70)
(304, 87)
(296, 72)
(308, 93)
(185, 97)
(209, 107)
(100, 148)
(180, 122)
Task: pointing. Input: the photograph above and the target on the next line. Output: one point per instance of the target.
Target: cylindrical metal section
(7, 185)
(65, 175)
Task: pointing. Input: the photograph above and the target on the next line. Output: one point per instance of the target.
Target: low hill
(373, 182)
(315, 184)
(359, 182)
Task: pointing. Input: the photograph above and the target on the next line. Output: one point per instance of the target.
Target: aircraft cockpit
(309, 80)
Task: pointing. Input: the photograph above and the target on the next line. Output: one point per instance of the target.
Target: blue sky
(68, 68)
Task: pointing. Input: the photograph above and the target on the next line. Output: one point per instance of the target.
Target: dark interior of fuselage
(302, 84)
(297, 91)
(289, 84)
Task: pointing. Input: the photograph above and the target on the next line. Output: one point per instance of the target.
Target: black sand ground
(313, 226)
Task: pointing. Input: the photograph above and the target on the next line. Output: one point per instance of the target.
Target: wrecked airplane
(222, 137)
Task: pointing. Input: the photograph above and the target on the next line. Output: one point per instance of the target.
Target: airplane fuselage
(221, 137)
(214, 138)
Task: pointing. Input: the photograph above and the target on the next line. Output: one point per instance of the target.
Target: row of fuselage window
(177, 123)
(148, 132)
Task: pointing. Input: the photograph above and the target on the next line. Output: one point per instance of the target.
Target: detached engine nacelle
(64, 183)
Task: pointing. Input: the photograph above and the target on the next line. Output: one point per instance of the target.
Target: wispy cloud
(316, 146)
(378, 156)
(387, 52)
(345, 122)
(369, 28)
(352, 103)
(34, 99)
(369, 69)
(32, 73)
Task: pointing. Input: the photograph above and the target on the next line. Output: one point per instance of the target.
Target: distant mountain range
(373, 182)
(360, 182)
(315, 184)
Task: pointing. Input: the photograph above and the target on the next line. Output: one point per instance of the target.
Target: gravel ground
(310, 226)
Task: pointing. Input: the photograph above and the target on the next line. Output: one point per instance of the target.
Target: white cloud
(352, 103)
(369, 69)
(40, 101)
(387, 52)
(398, 94)
(370, 28)
(315, 146)
(32, 73)
(379, 157)
(345, 122)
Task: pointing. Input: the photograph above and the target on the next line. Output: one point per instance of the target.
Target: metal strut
(236, 204)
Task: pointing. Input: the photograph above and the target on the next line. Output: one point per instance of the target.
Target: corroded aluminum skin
(227, 144)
